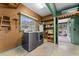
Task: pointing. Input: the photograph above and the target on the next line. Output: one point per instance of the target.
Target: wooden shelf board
(50, 34)
(49, 28)
(49, 24)
(5, 20)
(5, 25)
(47, 20)
(50, 38)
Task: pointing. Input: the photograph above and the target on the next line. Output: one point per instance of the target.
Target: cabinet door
(32, 41)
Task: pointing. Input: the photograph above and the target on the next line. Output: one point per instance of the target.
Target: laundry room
(39, 29)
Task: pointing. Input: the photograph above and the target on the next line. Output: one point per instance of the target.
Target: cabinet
(32, 40)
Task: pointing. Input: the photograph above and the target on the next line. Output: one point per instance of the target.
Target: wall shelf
(5, 23)
(6, 18)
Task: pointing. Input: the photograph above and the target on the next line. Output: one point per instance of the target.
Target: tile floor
(65, 39)
(46, 49)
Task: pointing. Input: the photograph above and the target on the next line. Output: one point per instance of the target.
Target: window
(27, 24)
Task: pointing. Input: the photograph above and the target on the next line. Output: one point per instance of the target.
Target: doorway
(63, 31)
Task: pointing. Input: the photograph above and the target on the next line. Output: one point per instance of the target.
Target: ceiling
(39, 10)
(60, 6)
(43, 10)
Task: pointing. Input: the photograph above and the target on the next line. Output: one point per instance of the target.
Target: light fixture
(40, 5)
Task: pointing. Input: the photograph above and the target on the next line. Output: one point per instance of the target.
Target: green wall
(74, 30)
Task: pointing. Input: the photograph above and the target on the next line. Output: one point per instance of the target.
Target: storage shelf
(47, 20)
(50, 38)
(5, 25)
(49, 28)
(50, 34)
(5, 20)
(49, 24)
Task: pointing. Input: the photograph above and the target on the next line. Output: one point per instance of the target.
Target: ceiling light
(40, 5)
